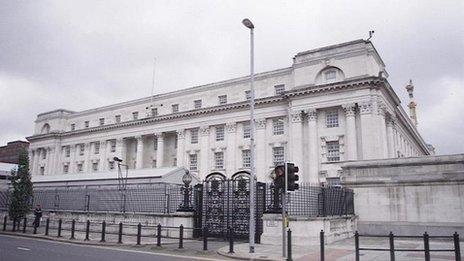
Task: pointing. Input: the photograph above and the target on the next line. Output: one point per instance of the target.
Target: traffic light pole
(284, 213)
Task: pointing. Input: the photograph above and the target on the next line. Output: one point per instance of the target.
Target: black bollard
(321, 236)
(181, 236)
(356, 245)
(87, 231)
(392, 246)
(59, 227)
(231, 240)
(47, 226)
(457, 248)
(73, 228)
(120, 233)
(289, 245)
(426, 247)
(103, 232)
(205, 238)
(4, 223)
(24, 225)
(139, 233)
(158, 235)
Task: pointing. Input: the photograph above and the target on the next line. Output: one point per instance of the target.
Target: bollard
(426, 247)
(289, 245)
(4, 223)
(392, 246)
(59, 227)
(457, 248)
(356, 245)
(47, 226)
(139, 233)
(181, 236)
(24, 225)
(87, 231)
(120, 233)
(205, 238)
(321, 237)
(231, 240)
(73, 228)
(103, 233)
(158, 235)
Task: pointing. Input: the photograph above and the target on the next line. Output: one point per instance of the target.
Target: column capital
(296, 116)
(138, 137)
(231, 127)
(204, 130)
(350, 109)
(366, 107)
(260, 123)
(180, 133)
(391, 120)
(159, 135)
(311, 114)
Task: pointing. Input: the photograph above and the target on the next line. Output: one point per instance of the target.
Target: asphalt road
(14, 248)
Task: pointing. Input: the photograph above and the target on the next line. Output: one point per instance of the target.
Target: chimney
(412, 104)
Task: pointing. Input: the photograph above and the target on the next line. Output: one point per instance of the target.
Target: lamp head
(246, 22)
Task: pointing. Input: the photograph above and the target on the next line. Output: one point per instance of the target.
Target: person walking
(38, 215)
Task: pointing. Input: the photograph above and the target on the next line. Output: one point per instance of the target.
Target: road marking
(23, 248)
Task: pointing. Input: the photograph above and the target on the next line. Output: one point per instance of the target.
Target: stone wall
(408, 195)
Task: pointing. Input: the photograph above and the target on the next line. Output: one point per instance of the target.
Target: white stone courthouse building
(333, 104)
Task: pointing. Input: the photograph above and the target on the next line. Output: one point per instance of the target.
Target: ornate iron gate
(226, 203)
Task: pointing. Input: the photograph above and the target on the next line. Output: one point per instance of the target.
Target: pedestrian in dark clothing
(38, 216)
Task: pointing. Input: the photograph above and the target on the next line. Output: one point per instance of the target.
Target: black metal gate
(226, 203)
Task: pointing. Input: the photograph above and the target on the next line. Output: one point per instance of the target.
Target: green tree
(22, 188)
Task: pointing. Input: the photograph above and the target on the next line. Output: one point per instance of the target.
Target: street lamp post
(247, 23)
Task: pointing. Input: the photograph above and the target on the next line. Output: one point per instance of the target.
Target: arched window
(45, 129)
(329, 74)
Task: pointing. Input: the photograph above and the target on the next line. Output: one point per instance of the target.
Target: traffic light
(279, 177)
(292, 178)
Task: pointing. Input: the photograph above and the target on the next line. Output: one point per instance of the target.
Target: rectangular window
(248, 95)
(111, 164)
(73, 126)
(193, 162)
(65, 169)
(246, 158)
(44, 154)
(278, 126)
(102, 121)
(333, 182)
(175, 108)
(330, 75)
(79, 167)
(117, 118)
(95, 166)
(219, 160)
(194, 136)
(86, 124)
(153, 163)
(155, 144)
(278, 156)
(279, 89)
(67, 151)
(331, 119)
(113, 146)
(219, 133)
(154, 112)
(174, 162)
(197, 104)
(333, 151)
(42, 170)
(97, 148)
(135, 115)
(222, 99)
(246, 130)
(81, 149)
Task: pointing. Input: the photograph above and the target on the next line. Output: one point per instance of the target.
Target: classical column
(231, 166)
(260, 152)
(390, 137)
(35, 157)
(121, 150)
(351, 143)
(204, 151)
(181, 148)
(49, 165)
(139, 156)
(103, 155)
(160, 150)
(371, 149)
(296, 144)
(382, 139)
(313, 147)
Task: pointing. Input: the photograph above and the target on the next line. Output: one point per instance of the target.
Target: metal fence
(315, 201)
(137, 198)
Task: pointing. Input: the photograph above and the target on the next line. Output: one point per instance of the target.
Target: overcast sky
(84, 54)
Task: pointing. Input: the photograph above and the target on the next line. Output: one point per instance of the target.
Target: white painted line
(23, 248)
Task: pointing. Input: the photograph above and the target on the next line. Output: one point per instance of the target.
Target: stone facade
(10, 152)
(408, 196)
(332, 105)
